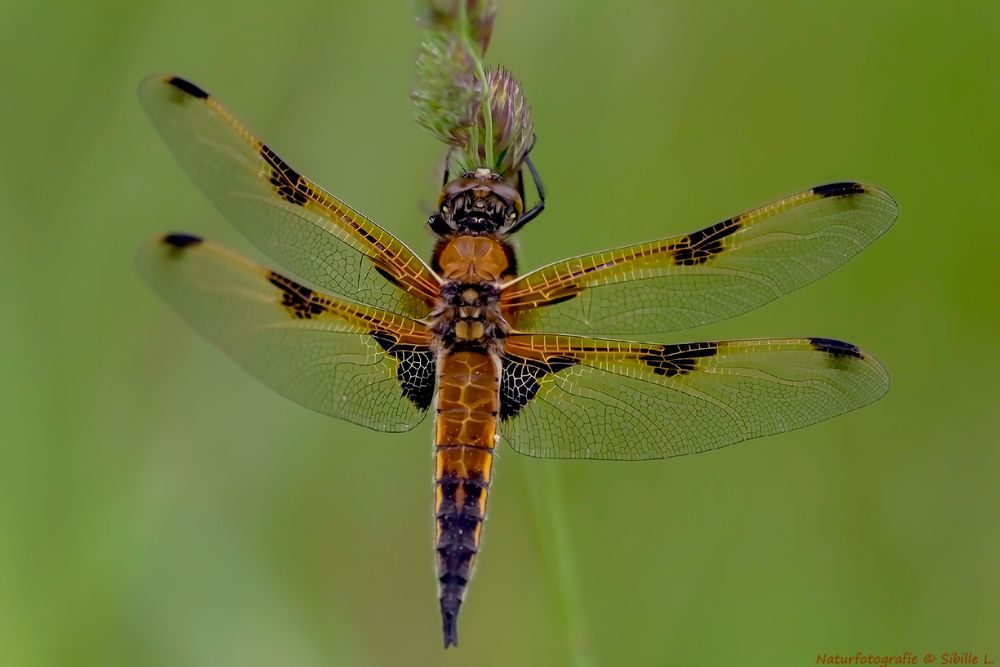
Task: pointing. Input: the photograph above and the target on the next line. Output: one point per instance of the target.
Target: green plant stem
(547, 496)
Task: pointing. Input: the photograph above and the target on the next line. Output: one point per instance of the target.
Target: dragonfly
(358, 327)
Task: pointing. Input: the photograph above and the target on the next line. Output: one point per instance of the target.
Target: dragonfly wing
(304, 228)
(718, 272)
(570, 397)
(346, 360)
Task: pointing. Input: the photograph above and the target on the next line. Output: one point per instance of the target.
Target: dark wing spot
(671, 360)
(300, 301)
(181, 240)
(837, 348)
(698, 247)
(288, 183)
(187, 87)
(838, 189)
(521, 379)
(566, 294)
(388, 276)
(415, 370)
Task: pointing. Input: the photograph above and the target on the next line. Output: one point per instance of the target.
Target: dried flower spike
(512, 126)
(482, 115)
(447, 91)
(445, 16)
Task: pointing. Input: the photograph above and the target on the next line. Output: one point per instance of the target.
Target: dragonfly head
(477, 203)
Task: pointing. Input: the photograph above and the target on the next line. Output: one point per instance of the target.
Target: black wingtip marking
(838, 189)
(187, 87)
(837, 348)
(181, 240)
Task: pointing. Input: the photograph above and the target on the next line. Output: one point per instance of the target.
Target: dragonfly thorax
(469, 316)
(468, 306)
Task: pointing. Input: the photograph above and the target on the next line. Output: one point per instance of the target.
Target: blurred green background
(159, 507)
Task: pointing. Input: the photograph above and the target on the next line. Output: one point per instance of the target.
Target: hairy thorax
(468, 313)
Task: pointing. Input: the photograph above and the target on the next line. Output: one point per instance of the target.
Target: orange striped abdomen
(468, 403)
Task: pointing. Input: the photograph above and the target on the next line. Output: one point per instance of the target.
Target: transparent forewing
(354, 362)
(721, 271)
(569, 397)
(304, 228)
